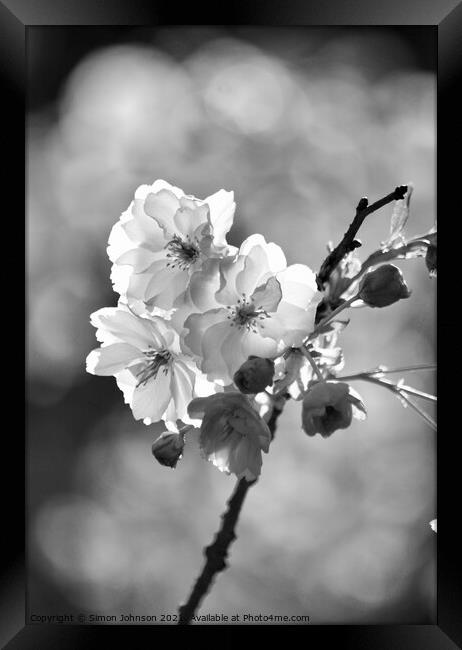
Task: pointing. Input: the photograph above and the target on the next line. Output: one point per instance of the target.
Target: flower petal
(165, 286)
(162, 207)
(254, 273)
(150, 400)
(213, 364)
(182, 386)
(111, 359)
(204, 284)
(160, 184)
(254, 343)
(120, 278)
(222, 208)
(197, 406)
(275, 257)
(126, 382)
(296, 322)
(230, 348)
(268, 295)
(245, 460)
(141, 228)
(188, 219)
(230, 268)
(197, 324)
(116, 324)
(139, 258)
(298, 284)
(119, 242)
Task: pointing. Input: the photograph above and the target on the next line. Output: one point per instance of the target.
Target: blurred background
(300, 123)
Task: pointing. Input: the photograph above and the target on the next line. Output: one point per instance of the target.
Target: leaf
(399, 219)
(357, 404)
(332, 358)
(414, 249)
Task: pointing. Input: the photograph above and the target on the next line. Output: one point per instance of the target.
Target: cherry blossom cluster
(206, 335)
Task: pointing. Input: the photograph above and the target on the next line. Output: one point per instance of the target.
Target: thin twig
(417, 393)
(390, 371)
(384, 255)
(344, 305)
(426, 418)
(217, 552)
(349, 243)
(400, 391)
(387, 371)
(312, 362)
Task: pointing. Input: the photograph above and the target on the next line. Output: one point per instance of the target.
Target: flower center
(182, 252)
(154, 360)
(246, 314)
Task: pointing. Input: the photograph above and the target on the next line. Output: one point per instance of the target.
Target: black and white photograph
(232, 250)
(231, 328)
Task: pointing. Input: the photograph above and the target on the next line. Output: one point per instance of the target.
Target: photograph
(231, 333)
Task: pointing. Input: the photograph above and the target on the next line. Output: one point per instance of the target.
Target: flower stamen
(246, 315)
(182, 252)
(154, 360)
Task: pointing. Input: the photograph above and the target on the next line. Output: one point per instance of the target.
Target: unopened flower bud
(430, 260)
(328, 406)
(254, 375)
(383, 286)
(168, 448)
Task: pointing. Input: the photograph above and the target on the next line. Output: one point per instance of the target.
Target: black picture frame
(445, 16)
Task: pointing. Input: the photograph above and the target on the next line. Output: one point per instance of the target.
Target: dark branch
(349, 242)
(217, 552)
(276, 412)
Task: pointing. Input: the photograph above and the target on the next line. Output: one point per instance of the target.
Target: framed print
(231, 321)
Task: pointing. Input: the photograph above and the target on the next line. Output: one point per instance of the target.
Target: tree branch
(217, 552)
(349, 243)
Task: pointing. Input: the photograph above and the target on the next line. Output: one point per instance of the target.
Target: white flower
(263, 307)
(162, 238)
(143, 354)
(433, 523)
(293, 372)
(233, 435)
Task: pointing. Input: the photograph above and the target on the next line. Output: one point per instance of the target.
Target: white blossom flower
(263, 307)
(233, 435)
(162, 238)
(143, 354)
(294, 373)
(433, 525)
